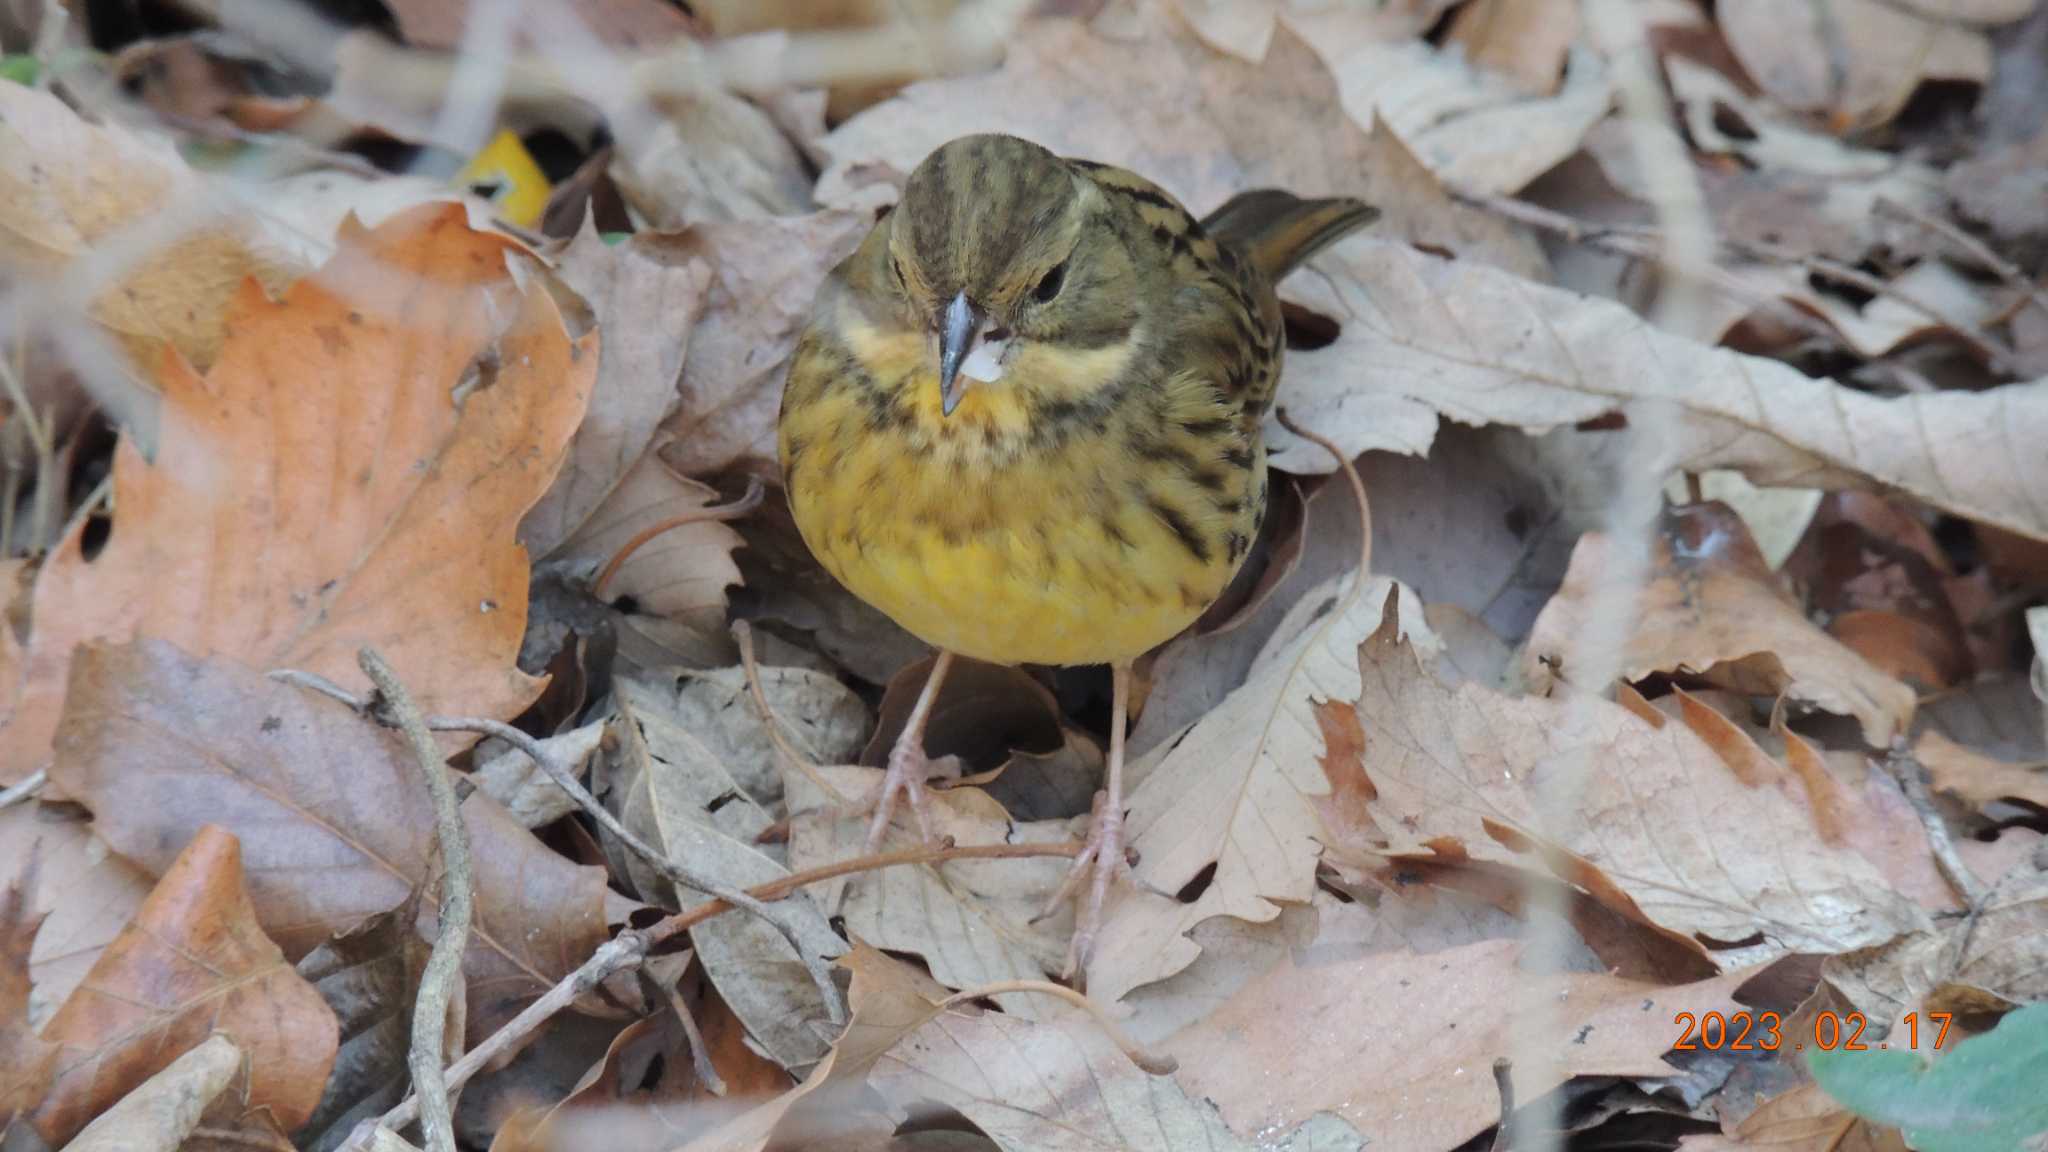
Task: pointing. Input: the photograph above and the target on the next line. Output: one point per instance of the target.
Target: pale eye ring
(1050, 286)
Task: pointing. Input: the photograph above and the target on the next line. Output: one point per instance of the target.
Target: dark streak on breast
(1182, 530)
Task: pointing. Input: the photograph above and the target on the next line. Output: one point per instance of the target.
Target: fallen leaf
(971, 921)
(706, 154)
(386, 511)
(369, 975)
(69, 188)
(1400, 1052)
(1806, 1119)
(646, 298)
(821, 718)
(1980, 1095)
(674, 581)
(335, 821)
(614, 23)
(1235, 796)
(27, 1061)
(764, 274)
(1457, 339)
(529, 795)
(85, 893)
(983, 714)
(1051, 1086)
(1977, 779)
(1999, 189)
(675, 794)
(163, 1110)
(1480, 132)
(1855, 60)
(1527, 43)
(1712, 608)
(192, 962)
(1455, 774)
(1989, 961)
(1996, 716)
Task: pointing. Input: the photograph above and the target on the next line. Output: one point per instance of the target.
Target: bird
(1023, 420)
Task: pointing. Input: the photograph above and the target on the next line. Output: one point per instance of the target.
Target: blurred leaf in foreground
(1983, 1096)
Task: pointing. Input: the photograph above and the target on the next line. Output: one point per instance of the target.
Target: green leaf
(1985, 1095)
(22, 69)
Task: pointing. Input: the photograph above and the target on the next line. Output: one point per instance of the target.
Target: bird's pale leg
(907, 764)
(1104, 852)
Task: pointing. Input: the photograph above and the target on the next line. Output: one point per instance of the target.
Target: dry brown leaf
(1459, 340)
(1454, 774)
(1237, 793)
(319, 489)
(764, 274)
(1857, 61)
(369, 975)
(615, 23)
(970, 920)
(646, 298)
(1978, 779)
(68, 187)
(27, 1061)
(1151, 97)
(1401, 1044)
(1986, 962)
(674, 581)
(1525, 42)
(708, 155)
(1052, 1086)
(86, 893)
(1481, 133)
(192, 962)
(335, 821)
(529, 794)
(1713, 609)
(674, 793)
(983, 714)
(820, 717)
(163, 1110)
(1805, 1119)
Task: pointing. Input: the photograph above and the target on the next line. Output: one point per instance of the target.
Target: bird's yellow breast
(982, 540)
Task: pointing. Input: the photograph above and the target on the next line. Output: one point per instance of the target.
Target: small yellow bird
(1024, 422)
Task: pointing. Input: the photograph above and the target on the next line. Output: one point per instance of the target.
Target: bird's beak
(957, 334)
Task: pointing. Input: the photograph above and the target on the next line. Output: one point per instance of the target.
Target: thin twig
(732, 511)
(1504, 1081)
(25, 788)
(1149, 1061)
(1912, 777)
(443, 974)
(670, 870)
(629, 949)
(1357, 488)
(700, 1052)
(1976, 249)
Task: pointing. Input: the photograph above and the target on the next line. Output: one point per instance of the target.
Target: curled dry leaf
(321, 489)
(1856, 61)
(645, 297)
(369, 975)
(1237, 793)
(970, 920)
(675, 794)
(335, 821)
(68, 188)
(27, 1061)
(193, 962)
(1713, 609)
(162, 1112)
(675, 577)
(1460, 340)
(525, 789)
(764, 274)
(1455, 774)
(1977, 779)
(1986, 962)
(1401, 1041)
(1796, 1121)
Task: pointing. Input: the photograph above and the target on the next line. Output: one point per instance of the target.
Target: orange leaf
(26, 1060)
(322, 488)
(191, 963)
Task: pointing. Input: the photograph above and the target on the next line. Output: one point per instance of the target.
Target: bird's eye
(1050, 286)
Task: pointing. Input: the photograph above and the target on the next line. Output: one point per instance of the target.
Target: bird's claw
(908, 769)
(1101, 855)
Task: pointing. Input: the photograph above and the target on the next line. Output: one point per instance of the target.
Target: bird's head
(998, 244)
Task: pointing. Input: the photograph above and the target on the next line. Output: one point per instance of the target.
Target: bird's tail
(1278, 230)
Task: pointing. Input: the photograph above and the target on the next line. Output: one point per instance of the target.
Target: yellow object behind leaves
(504, 173)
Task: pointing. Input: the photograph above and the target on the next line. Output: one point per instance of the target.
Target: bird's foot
(908, 770)
(1101, 855)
